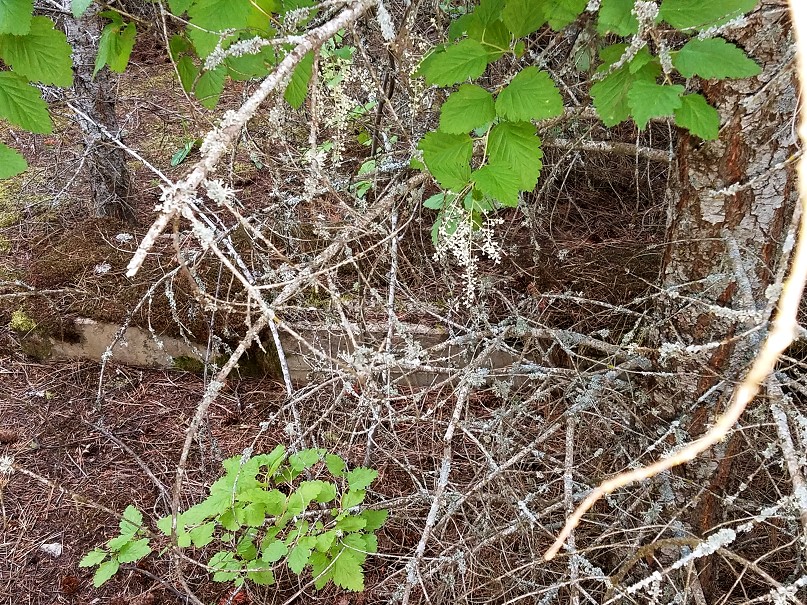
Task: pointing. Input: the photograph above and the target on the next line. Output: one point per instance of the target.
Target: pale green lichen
(21, 322)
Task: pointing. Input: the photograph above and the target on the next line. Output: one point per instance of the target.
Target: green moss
(21, 322)
(8, 218)
(186, 363)
(5, 245)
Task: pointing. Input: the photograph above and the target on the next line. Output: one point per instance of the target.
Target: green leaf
(298, 558)
(697, 14)
(42, 55)
(461, 25)
(468, 108)
(352, 498)
(297, 89)
(517, 145)
(325, 540)
(209, 86)
(615, 16)
(488, 11)
(305, 459)
(11, 162)
(611, 93)
(522, 17)
(438, 200)
(351, 523)
(218, 15)
(226, 565)
(494, 37)
(252, 515)
(532, 95)
(347, 572)
(361, 477)
(93, 558)
(229, 520)
(15, 16)
(134, 551)
(262, 577)
(320, 569)
(187, 71)
(132, 521)
(202, 535)
(498, 181)
(650, 100)
(374, 518)
(336, 465)
(448, 158)
(246, 547)
(697, 116)
(275, 551)
(461, 61)
(118, 542)
(79, 7)
(179, 6)
(714, 59)
(115, 47)
(105, 571)
(561, 13)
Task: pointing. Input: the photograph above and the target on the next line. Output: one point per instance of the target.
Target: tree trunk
(731, 203)
(109, 177)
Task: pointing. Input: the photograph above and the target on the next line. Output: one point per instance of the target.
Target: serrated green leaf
(115, 47)
(448, 157)
(361, 477)
(15, 16)
(218, 15)
(118, 542)
(498, 181)
(246, 547)
(611, 93)
(458, 62)
(650, 100)
(12, 162)
(336, 465)
(183, 539)
(325, 540)
(374, 518)
(229, 520)
(468, 108)
(438, 200)
(226, 565)
(517, 145)
(320, 569)
(252, 515)
(104, 572)
(495, 38)
(178, 45)
(247, 67)
(561, 13)
(522, 17)
(164, 524)
(489, 11)
(202, 535)
(461, 25)
(697, 14)
(262, 577)
(188, 72)
(179, 6)
(352, 498)
(615, 16)
(356, 544)
(297, 89)
(42, 55)
(298, 558)
(93, 558)
(79, 7)
(351, 523)
(697, 116)
(714, 59)
(532, 95)
(305, 459)
(132, 521)
(134, 551)
(347, 573)
(275, 551)
(209, 87)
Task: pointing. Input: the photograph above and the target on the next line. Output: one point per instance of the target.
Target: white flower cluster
(463, 245)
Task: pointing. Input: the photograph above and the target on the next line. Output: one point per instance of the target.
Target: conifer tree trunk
(108, 173)
(731, 205)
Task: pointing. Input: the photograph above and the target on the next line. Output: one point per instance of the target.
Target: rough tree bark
(108, 174)
(731, 205)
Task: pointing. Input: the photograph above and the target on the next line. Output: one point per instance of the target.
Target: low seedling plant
(260, 515)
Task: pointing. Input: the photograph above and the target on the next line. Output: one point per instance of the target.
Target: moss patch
(21, 322)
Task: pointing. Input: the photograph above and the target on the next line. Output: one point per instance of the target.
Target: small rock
(54, 549)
